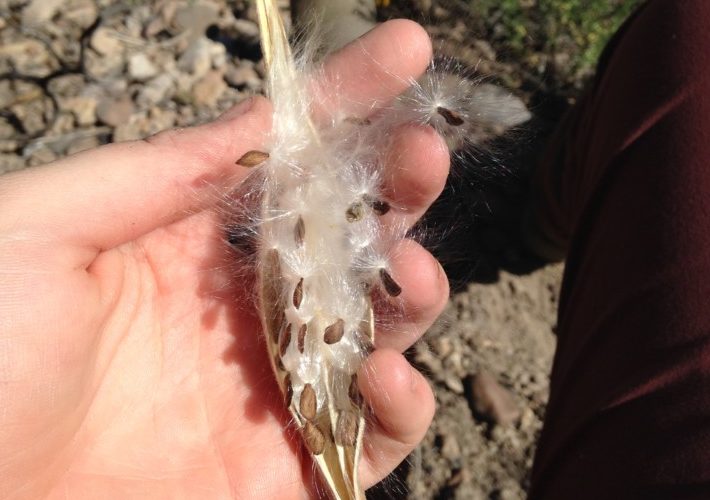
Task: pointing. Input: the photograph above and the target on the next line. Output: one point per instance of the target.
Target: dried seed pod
(288, 390)
(314, 438)
(308, 404)
(299, 231)
(301, 341)
(285, 340)
(355, 212)
(390, 285)
(334, 332)
(380, 207)
(253, 158)
(346, 428)
(452, 117)
(298, 294)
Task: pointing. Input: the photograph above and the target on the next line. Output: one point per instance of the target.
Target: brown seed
(355, 212)
(277, 326)
(308, 405)
(314, 438)
(284, 340)
(391, 286)
(358, 121)
(346, 428)
(334, 332)
(452, 117)
(354, 391)
(253, 158)
(300, 231)
(302, 337)
(288, 390)
(298, 294)
(380, 207)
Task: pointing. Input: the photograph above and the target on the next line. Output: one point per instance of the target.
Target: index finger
(372, 70)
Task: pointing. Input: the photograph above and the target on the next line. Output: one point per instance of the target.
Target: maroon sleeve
(627, 186)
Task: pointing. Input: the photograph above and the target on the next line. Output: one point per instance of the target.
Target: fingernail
(237, 110)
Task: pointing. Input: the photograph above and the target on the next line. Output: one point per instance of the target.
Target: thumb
(116, 193)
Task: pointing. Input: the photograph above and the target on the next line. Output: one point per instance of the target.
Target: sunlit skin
(132, 366)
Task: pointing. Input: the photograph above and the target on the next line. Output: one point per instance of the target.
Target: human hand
(130, 367)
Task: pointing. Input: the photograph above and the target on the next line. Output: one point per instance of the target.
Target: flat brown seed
(253, 158)
(334, 332)
(301, 344)
(285, 340)
(346, 428)
(357, 121)
(298, 294)
(354, 392)
(288, 390)
(380, 207)
(299, 231)
(277, 326)
(314, 438)
(308, 405)
(452, 117)
(279, 364)
(355, 212)
(391, 286)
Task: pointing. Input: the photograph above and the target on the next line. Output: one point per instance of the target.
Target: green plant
(579, 29)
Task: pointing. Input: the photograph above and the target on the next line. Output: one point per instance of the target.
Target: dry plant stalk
(316, 314)
(323, 249)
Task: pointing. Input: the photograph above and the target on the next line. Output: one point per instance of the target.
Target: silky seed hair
(310, 220)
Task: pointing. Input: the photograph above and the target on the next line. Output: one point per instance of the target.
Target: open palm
(131, 362)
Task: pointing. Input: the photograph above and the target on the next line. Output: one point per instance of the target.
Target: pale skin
(131, 366)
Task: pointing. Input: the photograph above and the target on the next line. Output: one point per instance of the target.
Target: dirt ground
(75, 74)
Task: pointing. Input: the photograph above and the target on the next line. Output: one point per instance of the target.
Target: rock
(66, 85)
(450, 448)
(81, 13)
(10, 162)
(63, 123)
(243, 76)
(38, 12)
(154, 26)
(105, 42)
(28, 57)
(196, 17)
(7, 131)
(490, 401)
(40, 155)
(246, 28)
(196, 60)
(156, 90)
(115, 111)
(100, 67)
(453, 383)
(140, 67)
(158, 120)
(31, 116)
(130, 130)
(82, 144)
(9, 145)
(82, 107)
(207, 91)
